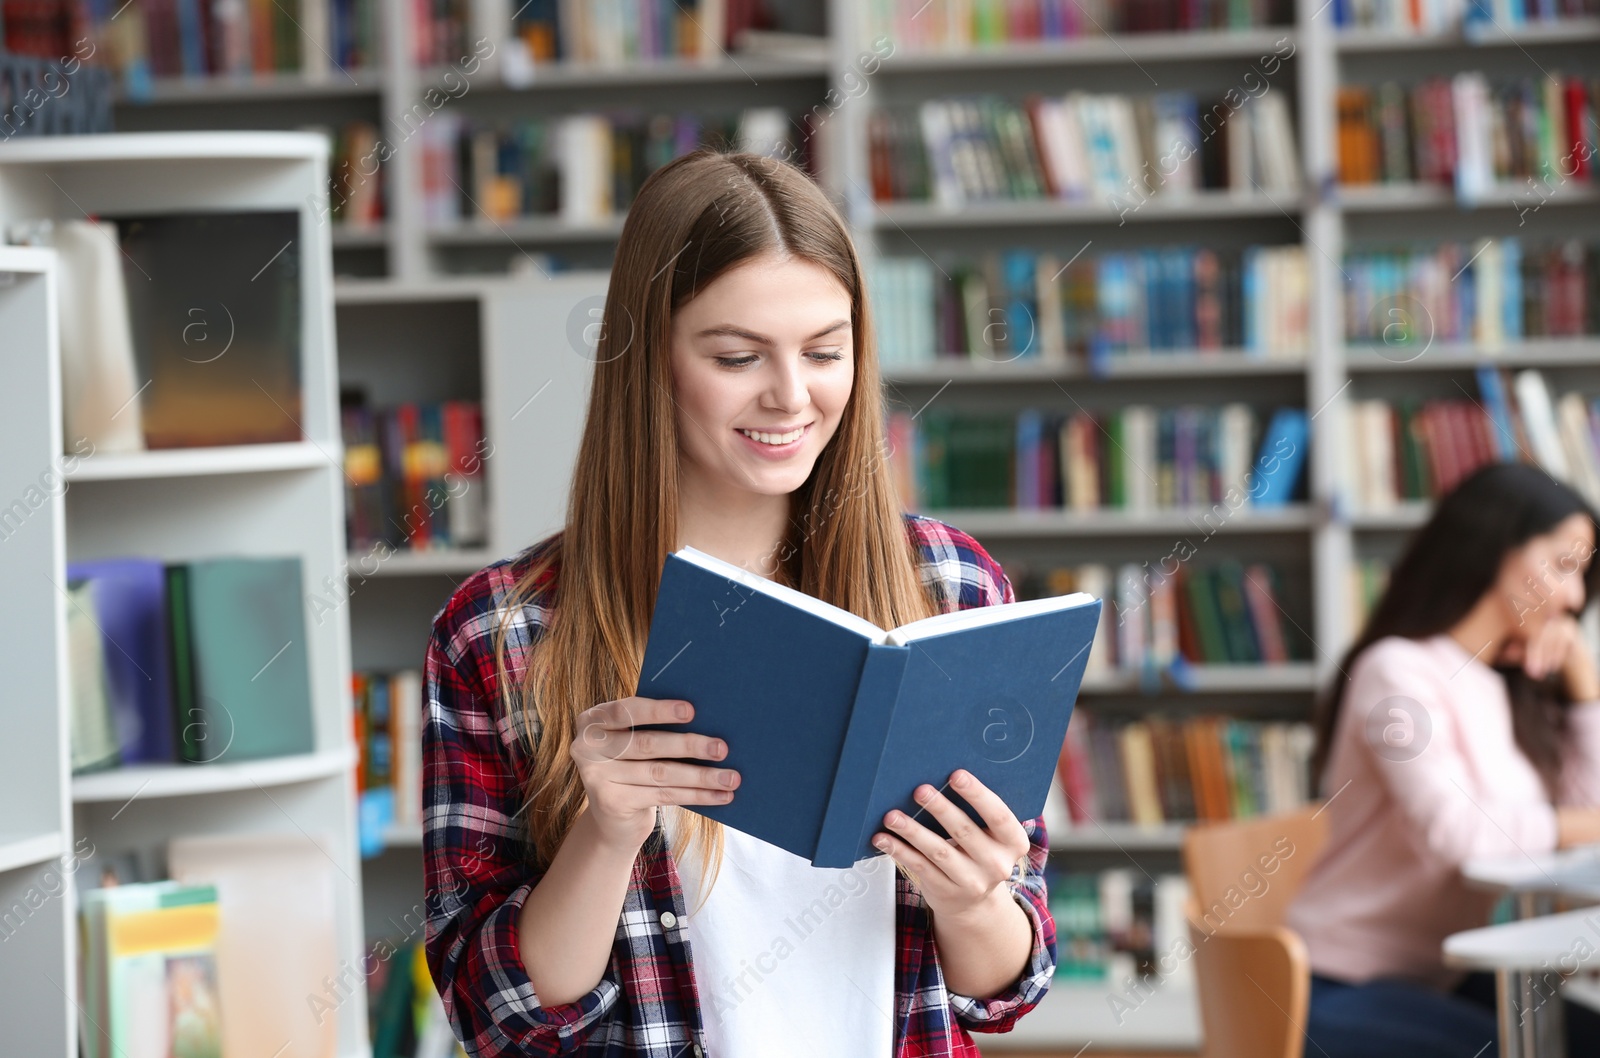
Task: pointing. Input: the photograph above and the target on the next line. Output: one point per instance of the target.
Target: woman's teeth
(774, 438)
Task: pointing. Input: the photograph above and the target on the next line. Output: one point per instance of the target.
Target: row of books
(1018, 304)
(1165, 617)
(1137, 458)
(1157, 769)
(1487, 292)
(198, 662)
(230, 940)
(613, 32)
(582, 168)
(1414, 449)
(357, 188)
(414, 477)
(1119, 926)
(1442, 16)
(954, 25)
(1465, 132)
(1116, 150)
(315, 39)
(386, 710)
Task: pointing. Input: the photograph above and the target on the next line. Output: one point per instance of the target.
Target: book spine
(846, 832)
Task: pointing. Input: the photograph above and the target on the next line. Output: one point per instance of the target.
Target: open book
(832, 721)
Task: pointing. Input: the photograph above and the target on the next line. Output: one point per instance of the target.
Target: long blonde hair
(845, 542)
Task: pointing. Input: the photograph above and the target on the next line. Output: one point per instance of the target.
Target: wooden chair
(1252, 973)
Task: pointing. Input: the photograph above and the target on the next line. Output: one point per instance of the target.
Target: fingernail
(683, 711)
(881, 844)
(960, 779)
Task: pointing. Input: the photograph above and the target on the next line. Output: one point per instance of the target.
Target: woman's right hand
(625, 773)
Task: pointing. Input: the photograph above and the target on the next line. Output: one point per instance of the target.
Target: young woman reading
(575, 905)
(1465, 722)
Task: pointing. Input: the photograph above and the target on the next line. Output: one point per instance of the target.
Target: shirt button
(668, 919)
(697, 1051)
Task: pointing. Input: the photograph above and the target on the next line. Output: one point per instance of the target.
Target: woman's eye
(827, 356)
(736, 361)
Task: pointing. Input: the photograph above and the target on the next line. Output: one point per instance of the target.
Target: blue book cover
(831, 721)
(1282, 457)
(130, 602)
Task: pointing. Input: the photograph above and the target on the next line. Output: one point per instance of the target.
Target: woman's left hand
(1558, 646)
(968, 871)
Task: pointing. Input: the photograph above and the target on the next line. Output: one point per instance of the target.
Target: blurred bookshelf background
(1191, 304)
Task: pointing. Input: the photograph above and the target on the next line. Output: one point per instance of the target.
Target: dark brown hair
(1447, 567)
(694, 219)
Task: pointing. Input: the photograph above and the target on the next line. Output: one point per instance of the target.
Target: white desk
(1521, 953)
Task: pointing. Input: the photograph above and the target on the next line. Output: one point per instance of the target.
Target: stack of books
(414, 477)
(1114, 926)
(582, 168)
(192, 38)
(387, 713)
(610, 32)
(1018, 304)
(1488, 292)
(1465, 132)
(1417, 449)
(1137, 458)
(1115, 150)
(195, 662)
(1443, 16)
(954, 25)
(1157, 770)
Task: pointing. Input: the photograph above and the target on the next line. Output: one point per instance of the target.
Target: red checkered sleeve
(477, 871)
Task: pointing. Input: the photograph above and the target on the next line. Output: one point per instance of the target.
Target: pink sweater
(1424, 774)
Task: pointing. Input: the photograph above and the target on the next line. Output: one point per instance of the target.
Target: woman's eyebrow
(730, 331)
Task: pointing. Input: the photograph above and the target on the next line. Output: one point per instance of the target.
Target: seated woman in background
(1465, 723)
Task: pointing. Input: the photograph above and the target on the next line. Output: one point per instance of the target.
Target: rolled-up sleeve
(476, 870)
(998, 1013)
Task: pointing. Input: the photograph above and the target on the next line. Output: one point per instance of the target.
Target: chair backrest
(1255, 988)
(1244, 873)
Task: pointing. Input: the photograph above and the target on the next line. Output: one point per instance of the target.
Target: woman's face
(766, 348)
(1544, 577)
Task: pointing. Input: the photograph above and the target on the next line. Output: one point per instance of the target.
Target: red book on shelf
(1263, 608)
(1576, 157)
(1077, 781)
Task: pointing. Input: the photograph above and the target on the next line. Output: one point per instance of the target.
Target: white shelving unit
(175, 506)
(37, 931)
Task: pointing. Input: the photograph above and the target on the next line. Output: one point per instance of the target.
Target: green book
(249, 669)
(183, 703)
(1207, 618)
(1228, 580)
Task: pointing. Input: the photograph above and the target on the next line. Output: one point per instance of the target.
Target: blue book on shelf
(831, 721)
(130, 603)
(1282, 457)
(1493, 389)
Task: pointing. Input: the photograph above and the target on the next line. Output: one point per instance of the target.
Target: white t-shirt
(791, 959)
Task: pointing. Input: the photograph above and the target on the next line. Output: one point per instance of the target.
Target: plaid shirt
(478, 872)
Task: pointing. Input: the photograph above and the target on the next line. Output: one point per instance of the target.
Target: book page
(810, 604)
(979, 616)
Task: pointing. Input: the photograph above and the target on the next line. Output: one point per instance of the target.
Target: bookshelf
(403, 275)
(173, 505)
(36, 844)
